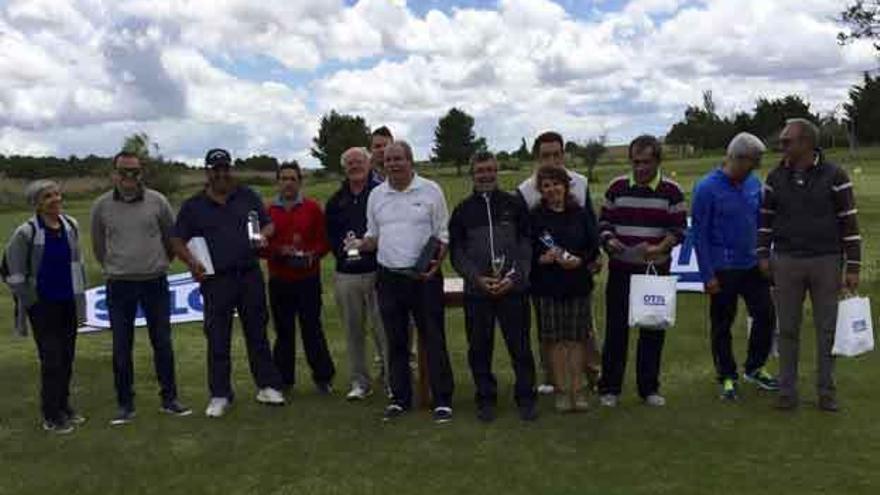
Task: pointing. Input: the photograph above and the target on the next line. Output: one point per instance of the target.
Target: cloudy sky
(76, 76)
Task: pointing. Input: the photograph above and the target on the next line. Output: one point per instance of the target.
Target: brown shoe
(828, 403)
(786, 403)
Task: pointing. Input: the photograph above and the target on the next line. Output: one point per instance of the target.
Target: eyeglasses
(129, 173)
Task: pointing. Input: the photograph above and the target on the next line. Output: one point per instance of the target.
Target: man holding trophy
(354, 283)
(229, 221)
(407, 227)
(491, 249)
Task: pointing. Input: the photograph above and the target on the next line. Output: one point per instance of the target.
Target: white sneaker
(655, 400)
(270, 396)
(217, 407)
(546, 389)
(608, 400)
(358, 392)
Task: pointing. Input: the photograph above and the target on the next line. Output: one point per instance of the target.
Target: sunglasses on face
(129, 173)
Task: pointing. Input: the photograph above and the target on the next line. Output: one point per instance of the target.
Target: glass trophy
(352, 253)
(497, 264)
(550, 243)
(253, 229)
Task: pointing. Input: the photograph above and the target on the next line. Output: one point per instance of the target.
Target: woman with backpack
(44, 270)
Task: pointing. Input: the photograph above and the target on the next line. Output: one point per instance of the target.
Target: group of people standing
(389, 231)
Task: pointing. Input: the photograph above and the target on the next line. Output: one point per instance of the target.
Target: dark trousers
(289, 301)
(243, 291)
(123, 297)
(754, 288)
(614, 350)
(54, 327)
(513, 315)
(399, 298)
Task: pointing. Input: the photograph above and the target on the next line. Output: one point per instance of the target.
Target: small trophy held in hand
(550, 243)
(352, 253)
(497, 265)
(255, 237)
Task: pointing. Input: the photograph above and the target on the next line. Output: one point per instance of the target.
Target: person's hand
(851, 282)
(287, 251)
(549, 257)
(764, 266)
(713, 286)
(197, 270)
(268, 231)
(595, 266)
(654, 252)
(570, 262)
(614, 246)
(486, 284)
(432, 270)
(503, 287)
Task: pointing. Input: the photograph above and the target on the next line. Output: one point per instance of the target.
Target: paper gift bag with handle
(855, 329)
(652, 300)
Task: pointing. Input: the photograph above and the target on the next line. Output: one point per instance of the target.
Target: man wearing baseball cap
(234, 224)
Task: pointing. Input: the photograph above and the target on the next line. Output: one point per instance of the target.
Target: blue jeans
(123, 298)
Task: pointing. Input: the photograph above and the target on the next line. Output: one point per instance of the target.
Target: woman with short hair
(47, 277)
(566, 241)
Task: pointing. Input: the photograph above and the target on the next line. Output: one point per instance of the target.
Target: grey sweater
(131, 238)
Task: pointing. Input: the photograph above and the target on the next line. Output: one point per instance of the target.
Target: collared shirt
(655, 182)
(403, 221)
(299, 224)
(224, 226)
(635, 214)
(725, 223)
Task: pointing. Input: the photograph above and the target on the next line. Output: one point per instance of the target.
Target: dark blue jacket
(347, 212)
(725, 223)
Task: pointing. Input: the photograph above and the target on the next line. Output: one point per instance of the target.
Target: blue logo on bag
(654, 300)
(859, 326)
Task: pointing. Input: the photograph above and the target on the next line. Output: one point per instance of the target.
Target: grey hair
(810, 130)
(745, 145)
(355, 149)
(407, 149)
(33, 190)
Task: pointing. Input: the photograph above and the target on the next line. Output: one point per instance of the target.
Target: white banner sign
(684, 264)
(185, 300)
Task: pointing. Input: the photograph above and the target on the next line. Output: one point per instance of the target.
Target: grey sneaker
(608, 400)
(123, 417)
(175, 408)
(392, 412)
(828, 403)
(762, 379)
(57, 427)
(655, 400)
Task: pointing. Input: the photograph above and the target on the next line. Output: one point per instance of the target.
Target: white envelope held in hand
(199, 249)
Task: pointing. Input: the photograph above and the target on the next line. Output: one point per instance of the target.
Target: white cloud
(81, 74)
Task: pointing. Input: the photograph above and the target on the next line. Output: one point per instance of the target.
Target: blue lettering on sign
(859, 326)
(101, 309)
(195, 300)
(654, 300)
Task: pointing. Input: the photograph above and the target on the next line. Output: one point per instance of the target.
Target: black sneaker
(175, 408)
(528, 413)
(58, 427)
(828, 403)
(324, 388)
(123, 417)
(485, 413)
(763, 380)
(442, 414)
(392, 412)
(728, 389)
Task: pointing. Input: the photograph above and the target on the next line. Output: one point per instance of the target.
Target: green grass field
(324, 445)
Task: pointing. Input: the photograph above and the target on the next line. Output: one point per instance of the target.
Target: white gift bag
(652, 300)
(855, 330)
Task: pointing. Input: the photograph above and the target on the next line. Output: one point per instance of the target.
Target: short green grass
(324, 445)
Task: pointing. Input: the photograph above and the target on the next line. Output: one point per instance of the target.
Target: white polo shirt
(578, 188)
(403, 221)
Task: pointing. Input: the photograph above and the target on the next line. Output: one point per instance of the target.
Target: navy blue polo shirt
(224, 227)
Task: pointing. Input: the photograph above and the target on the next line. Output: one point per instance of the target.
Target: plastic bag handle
(651, 269)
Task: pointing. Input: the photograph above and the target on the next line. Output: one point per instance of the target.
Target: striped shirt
(635, 214)
(810, 213)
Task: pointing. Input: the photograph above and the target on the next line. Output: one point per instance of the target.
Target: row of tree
(703, 128)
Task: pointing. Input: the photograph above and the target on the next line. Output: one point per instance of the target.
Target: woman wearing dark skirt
(46, 275)
(566, 241)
